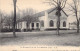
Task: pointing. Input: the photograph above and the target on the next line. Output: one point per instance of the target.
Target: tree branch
(71, 6)
(51, 3)
(63, 4)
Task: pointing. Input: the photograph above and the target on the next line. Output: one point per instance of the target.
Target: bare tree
(2, 19)
(9, 20)
(60, 5)
(75, 10)
(28, 16)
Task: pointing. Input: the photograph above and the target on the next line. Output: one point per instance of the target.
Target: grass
(49, 38)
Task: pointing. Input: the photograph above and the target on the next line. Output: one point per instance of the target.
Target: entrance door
(32, 26)
(37, 25)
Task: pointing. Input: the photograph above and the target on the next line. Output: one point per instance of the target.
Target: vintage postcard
(39, 25)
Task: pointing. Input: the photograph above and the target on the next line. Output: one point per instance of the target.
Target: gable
(52, 15)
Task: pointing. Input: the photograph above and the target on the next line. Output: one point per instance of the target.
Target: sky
(6, 6)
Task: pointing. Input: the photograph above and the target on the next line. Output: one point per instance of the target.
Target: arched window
(42, 23)
(64, 24)
(51, 23)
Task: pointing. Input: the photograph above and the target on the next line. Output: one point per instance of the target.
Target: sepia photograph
(40, 24)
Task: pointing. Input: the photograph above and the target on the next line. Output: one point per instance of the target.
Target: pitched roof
(49, 11)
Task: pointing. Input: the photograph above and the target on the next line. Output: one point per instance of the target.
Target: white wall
(24, 25)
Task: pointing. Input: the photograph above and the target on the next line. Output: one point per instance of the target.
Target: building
(73, 26)
(47, 20)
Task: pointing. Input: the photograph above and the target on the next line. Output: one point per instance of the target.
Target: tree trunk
(0, 25)
(58, 25)
(77, 26)
(58, 22)
(14, 24)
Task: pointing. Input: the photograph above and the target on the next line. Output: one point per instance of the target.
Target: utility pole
(14, 22)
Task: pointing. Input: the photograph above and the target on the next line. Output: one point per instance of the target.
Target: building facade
(48, 20)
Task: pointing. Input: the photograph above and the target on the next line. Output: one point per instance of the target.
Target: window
(20, 24)
(32, 24)
(51, 23)
(42, 23)
(37, 24)
(64, 24)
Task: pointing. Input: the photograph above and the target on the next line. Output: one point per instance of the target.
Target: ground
(49, 38)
